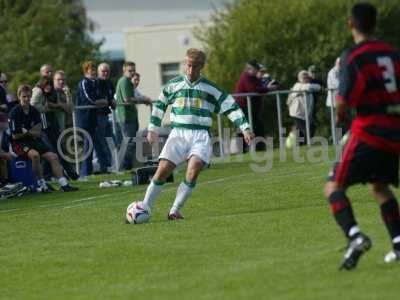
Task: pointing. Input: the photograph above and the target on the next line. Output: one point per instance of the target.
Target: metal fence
(278, 98)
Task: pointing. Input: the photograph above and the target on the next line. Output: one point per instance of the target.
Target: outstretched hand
(248, 136)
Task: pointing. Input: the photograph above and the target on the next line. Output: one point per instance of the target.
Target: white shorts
(183, 143)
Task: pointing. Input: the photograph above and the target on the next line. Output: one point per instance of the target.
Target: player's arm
(52, 105)
(35, 131)
(138, 100)
(101, 103)
(68, 106)
(350, 87)
(157, 114)
(341, 111)
(128, 95)
(232, 110)
(37, 121)
(15, 126)
(36, 100)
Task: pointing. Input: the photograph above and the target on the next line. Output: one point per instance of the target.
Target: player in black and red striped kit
(369, 82)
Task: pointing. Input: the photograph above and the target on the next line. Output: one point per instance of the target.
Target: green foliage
(37, 32)
(285, 35)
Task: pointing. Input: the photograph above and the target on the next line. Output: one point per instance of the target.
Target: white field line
(227, 178)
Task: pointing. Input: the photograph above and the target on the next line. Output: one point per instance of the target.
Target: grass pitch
(246, 235)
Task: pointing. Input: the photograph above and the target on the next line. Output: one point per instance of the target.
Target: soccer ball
(136, 214)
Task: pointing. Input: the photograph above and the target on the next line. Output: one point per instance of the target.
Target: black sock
(342, 211)
(391, 217)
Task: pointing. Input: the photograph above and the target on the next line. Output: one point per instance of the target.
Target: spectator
(250, 83)
(127, 117)
(44, 100)
(136, 82)
(104, 127)
(333, 84)
(4, 107)
(313, 73)
(62, 107)
(46, 71)
(7, 102)
(266, 79)
(2, 88)
(88, 94)
(41, 93)
(26, 126)
(10, 96)
(301, 96)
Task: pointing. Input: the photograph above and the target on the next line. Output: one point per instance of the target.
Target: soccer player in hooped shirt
(369, 82)
(193, 99)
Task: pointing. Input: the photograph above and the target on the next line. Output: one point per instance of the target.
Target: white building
(158, 52)
(154, 34)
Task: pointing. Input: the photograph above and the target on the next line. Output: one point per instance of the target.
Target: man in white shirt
(333, 83)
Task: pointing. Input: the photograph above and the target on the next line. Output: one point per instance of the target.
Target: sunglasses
(3, 81)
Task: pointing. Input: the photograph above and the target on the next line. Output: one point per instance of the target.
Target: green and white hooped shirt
(193, 105)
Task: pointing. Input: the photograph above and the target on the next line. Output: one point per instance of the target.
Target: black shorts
(21, 147)
(361, 163)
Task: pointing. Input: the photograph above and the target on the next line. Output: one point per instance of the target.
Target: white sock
(354, 230)
(63, 181)
(153, 190)
(396, 240)
(182, 194)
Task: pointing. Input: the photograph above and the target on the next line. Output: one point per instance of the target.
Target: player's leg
(164, 170)
(34, 157)
(199, 155)
(358, 243)
(56, 168)
(390, 215)
(186, 187)
(55, 165)
(341, 208)
(173, 153)
(351, 169)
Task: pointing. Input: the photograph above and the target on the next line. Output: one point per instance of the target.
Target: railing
(277, 95)
(248, 96)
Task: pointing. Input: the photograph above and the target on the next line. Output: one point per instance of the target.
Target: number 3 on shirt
(388, 73)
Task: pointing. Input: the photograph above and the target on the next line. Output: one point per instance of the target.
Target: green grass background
(246, 235)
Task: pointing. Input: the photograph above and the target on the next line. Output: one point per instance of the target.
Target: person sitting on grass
(26, 126)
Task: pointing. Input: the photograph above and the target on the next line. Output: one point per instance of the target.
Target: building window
(169, 71)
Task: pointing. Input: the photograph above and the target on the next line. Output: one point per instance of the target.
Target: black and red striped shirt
(370, 82)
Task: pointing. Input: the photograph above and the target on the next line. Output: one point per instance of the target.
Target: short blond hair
(59, 72)
(196, 55)
(103, 64)
(24, 88)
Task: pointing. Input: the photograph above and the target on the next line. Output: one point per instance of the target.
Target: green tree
(34, 32)
(287, 36)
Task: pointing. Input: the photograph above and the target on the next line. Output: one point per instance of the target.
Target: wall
(151, 46)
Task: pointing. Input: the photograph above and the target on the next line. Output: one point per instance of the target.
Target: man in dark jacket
(88, 94)
(250, 83)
